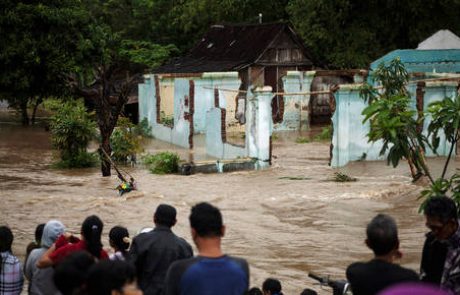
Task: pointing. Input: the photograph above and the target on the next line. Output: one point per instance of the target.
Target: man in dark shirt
(153, 252)
(212, 272)
(441, 218)
(368, 278)
(433, 258)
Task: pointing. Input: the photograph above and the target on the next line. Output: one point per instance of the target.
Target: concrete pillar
(259, 125)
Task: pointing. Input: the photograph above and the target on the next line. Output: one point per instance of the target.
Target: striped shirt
(11, 279)
(451, 275)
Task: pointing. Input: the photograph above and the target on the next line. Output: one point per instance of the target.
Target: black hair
(382, 234)
(6, 240)
(273, 286)
(39, 232)
(254, 291)
(91, 229)
(109, 275)
(118, 235)
(206, 220)
(308, 292)
(165, 215)
(442, 207)
(70, 275)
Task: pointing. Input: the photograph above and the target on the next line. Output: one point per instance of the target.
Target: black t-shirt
(369, 278)
(433, 258)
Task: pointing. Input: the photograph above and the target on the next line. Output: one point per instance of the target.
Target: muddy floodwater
(286, 221)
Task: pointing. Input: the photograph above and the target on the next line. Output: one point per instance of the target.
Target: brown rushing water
(283, 227)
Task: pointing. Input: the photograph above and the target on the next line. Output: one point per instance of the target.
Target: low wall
(350, 142)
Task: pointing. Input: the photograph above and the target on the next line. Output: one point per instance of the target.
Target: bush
(326, 134)
(81, 160)
(162, 163)
(71, 130)
(143, 129)
(302, 139)
(125, 141)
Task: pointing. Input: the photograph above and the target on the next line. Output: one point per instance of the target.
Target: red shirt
(64, 248)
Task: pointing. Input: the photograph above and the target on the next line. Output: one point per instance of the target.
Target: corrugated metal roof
(229, 47)
(439, 60)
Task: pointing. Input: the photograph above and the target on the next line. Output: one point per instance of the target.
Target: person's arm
(45, 260)
(29, 265)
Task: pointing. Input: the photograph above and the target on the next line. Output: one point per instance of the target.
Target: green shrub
(143, 128)
(125, 141)
(326, 134)
(162, 163)
(81, 160)
(302, 139)
(71, 130)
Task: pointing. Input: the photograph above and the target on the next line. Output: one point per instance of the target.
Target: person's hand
(68, 236)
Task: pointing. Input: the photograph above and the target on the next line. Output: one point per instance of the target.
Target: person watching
(442, 219)
(211, 272)
(368, 278)
(153, 252)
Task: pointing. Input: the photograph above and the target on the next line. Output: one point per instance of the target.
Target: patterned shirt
(451, 274)
(11, 279)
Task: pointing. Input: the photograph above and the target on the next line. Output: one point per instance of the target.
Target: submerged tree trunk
(105, 162)
(34, 112)
(24, 114)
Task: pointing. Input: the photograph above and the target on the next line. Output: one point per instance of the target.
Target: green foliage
(442, 187)
(146, 53)
(302, 139)
(446, 118)
(143, 128)
(71, 130)
(40, 47)
(162, 163)
(125, 141)
(81, 160)
(352, 33)
(392, 119)
(326, 134)
(166, 120)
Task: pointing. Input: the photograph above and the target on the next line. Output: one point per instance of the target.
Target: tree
(392, 119)
(41, 42)
(112, 68)
(352, 33)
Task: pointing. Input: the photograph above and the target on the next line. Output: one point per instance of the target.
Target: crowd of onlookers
(157, 261)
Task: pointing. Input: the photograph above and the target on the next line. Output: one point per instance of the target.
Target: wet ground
(286, 220)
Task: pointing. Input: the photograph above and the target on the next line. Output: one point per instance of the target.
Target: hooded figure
(41, 280)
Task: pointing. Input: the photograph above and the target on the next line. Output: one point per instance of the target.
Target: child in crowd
(271, 287)
(37, 243)
(11, 279)
(119, 241)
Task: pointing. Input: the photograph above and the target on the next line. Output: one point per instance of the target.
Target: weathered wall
(199, 107)
(350, 142)
(295, 115)
(177, 134)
